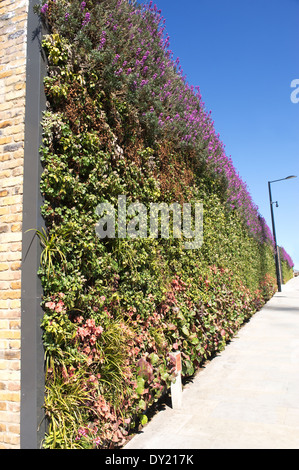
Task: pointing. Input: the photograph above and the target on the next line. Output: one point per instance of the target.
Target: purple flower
(103, 40)
(117, 56)
(83, 5)
(44, 8)
(86, 19)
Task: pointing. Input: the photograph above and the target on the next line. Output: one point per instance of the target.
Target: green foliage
(286, 271)
(115, 309)
(66, 404)
(50, 250)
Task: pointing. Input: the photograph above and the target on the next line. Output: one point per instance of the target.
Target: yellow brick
(13, 181)
(5, 285)
(18, 171)
(9, 396)
(12, 162)
(4, 210)
(5, 131)
(15, 266)
(19, 155)
(9, 375)
(4, 174)
(15, 324)
(14, 408)
(10, 334)
(21, 18)
(6, 5)
(5, 157)
(16, 228)
(4, 325)
(3, 344)
(8, 89)
(15, 284)
(17, 63)
(15, 304)
(19, 137)
(9, 276)
(2, 428)
(15, 344)
(13, 79)
(17, 129)
(15, 256)
(10, 218)
(6, 73)
(16, 247)
(14, 363)
(11, 200)
(6, 123)
(18, 71)
(4, 266)
(18, 119)
(10, 439)
(14, 428)
(5, 106)
(12, 294)
(17, 208)
(5, 140)
(13, 385)
(20, 86)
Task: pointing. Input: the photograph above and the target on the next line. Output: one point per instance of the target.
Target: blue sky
(244, 55)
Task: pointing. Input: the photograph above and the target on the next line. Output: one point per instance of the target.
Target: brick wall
(13, 35)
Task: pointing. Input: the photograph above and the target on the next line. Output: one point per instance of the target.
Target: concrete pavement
(245, 398)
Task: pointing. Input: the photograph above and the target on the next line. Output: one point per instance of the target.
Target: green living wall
(121, 120)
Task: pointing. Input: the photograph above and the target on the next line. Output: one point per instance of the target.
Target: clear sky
(244, 55)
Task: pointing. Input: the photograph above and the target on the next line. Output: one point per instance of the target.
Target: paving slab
(247, 396)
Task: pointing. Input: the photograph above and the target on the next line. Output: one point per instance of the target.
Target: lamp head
(289, 177)
(282, 179)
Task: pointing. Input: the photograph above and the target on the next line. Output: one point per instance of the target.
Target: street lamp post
(277, 262)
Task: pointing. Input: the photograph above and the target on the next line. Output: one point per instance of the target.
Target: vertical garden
(121, 119)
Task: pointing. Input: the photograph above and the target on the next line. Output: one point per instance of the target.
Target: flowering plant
(122, 119)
